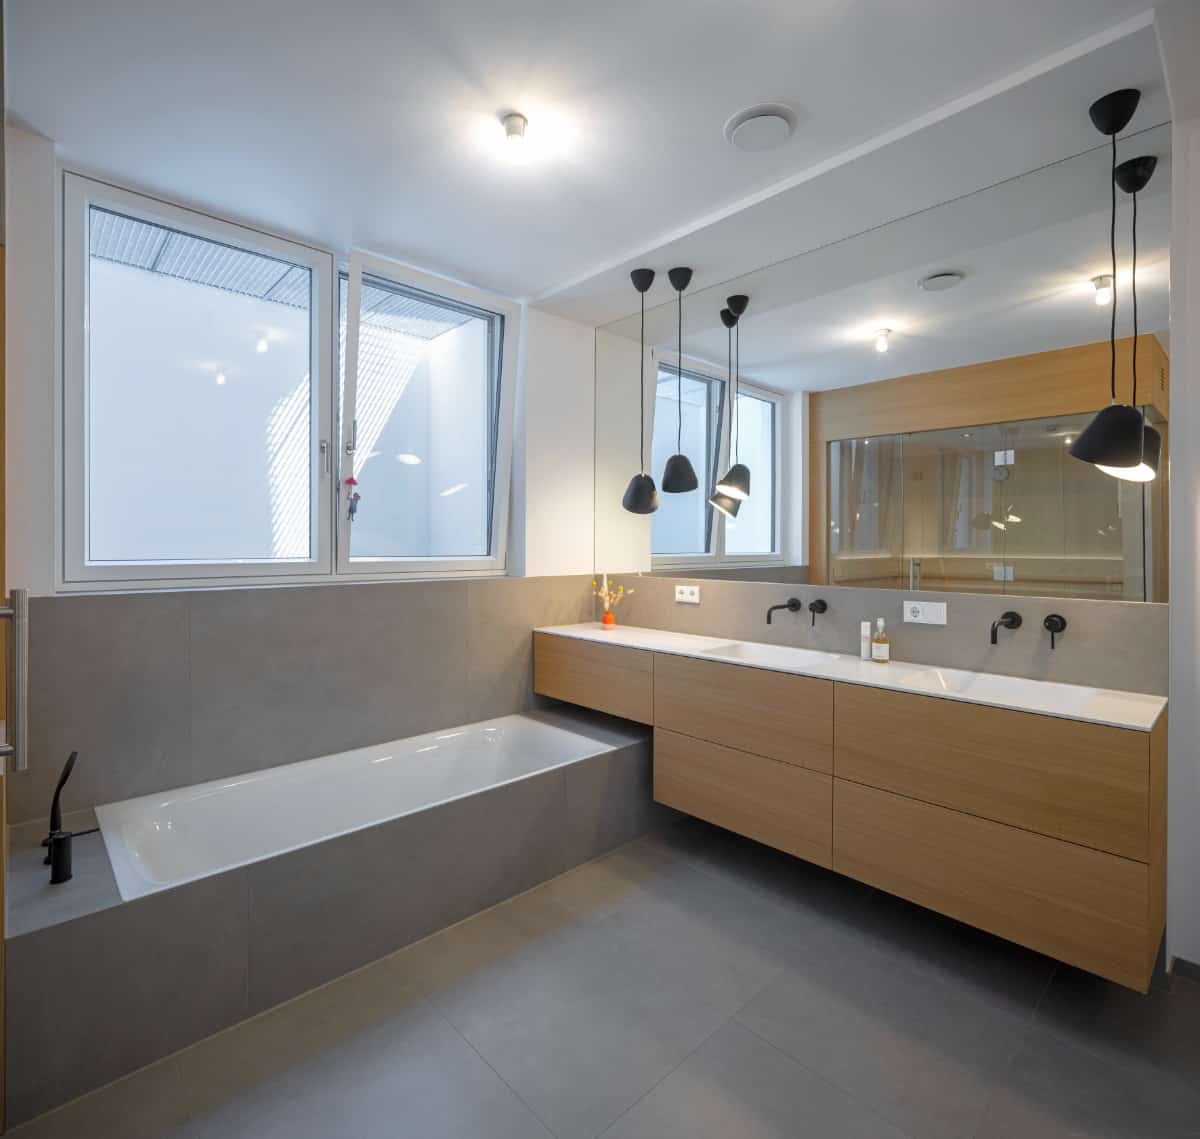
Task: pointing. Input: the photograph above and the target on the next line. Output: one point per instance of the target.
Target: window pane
(753, 531)
(199, 399)
(425, 405)
(683, 522)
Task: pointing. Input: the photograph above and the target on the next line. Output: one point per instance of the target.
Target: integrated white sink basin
(769, 656)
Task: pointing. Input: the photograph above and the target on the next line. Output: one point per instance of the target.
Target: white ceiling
(358, 123)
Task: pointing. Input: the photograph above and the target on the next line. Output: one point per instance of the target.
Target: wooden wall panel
(1063, 382)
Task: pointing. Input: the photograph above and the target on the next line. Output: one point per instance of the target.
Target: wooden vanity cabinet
(608, 678)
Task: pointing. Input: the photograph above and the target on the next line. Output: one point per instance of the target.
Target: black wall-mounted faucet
(815, 607)
(792, 605)
(58, 856)
(1055, 625)
(1007, 620)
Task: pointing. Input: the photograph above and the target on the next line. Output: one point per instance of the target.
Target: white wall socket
(1001, 572)
(687, 595)
(924, 612)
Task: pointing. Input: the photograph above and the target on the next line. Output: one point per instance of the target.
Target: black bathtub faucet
(58, 857)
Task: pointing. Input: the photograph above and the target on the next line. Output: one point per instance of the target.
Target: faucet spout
(1007, 620)
(792, 605)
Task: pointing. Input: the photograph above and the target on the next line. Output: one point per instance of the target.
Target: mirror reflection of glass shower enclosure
(1000, 508)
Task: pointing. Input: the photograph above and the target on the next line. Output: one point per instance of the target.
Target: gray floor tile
(1151, 1037)
(1057, 1090)
(576, 1025)
(735, 1084)
(922, 1051)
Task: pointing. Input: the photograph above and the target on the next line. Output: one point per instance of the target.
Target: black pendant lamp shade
(1118, 440)
(641, 495)
(736, 483)
(1112, 439)
(726, 505)
(679, 476)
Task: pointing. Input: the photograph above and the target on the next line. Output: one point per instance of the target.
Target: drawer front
(609, 678)
(785, 717)
(1081, 906)
(1085, 783)
(775, 803)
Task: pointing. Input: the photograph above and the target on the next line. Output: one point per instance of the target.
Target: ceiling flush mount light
(761, 127)
(514, 127)
(883, 339)
(679, 476)
(641, 495)
(736, 483)
(1116, 440)
(940, 282)
(1104, 289)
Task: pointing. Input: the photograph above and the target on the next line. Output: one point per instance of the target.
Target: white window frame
(73, 572)
(718, 557)
(485, 565)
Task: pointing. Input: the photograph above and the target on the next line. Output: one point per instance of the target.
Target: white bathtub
(164, 840)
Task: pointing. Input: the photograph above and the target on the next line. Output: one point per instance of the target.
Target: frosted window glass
(199, 400)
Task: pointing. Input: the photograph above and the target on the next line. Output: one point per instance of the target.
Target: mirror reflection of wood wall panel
(930, 496)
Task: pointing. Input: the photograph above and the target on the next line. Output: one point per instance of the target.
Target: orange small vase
(609, 617)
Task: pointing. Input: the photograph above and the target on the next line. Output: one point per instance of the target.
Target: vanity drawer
(775, 803)
(1086, 783)
(608, 678)
(775, 714)
(1081, 906)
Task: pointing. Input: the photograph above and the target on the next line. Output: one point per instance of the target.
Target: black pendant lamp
(641, 495)
(679, 476)
(1131, 176)
(719, 500)
(736, 483)
(1114, 438)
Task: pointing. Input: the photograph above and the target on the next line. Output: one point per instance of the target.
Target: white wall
(794, 492)
(30, 357)
(622, 539)
(1179, 38)
(554, 449)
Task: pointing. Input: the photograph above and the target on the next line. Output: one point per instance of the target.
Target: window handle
(352, 442)
(325, 456)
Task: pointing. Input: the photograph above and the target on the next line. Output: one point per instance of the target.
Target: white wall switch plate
(997, 572)
(924, 612)
(1006, 458)
(1010, 573)
(687, 595)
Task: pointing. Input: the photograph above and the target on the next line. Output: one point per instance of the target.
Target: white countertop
(1133, 710)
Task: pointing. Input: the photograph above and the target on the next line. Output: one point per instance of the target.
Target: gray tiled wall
(1111, 644)
(164, 690)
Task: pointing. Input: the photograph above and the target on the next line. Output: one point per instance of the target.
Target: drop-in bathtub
(254, 889)
(163, 840)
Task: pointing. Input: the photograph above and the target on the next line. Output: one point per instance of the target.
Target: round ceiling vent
(761, 127)
(940, 282)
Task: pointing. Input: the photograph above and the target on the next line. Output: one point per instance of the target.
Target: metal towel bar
(16, 743)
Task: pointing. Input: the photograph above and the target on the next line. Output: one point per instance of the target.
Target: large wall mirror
(910, 394)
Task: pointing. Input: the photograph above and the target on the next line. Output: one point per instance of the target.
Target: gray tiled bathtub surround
(95, 996)
(164, 690)
(1108, 644)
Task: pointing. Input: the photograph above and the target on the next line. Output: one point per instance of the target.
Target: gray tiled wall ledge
(93, 997)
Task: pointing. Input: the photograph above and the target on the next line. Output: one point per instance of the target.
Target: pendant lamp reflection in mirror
(641, 495)
(736, 483)
(1115, 440)
(718, 500)
(1131, 176)
(679, 476)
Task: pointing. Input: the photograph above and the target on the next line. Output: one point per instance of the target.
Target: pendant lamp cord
(679, 383)
(1112, 245)
(1133, 290)
(642, 361)
(729, 382)
(737, 379)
